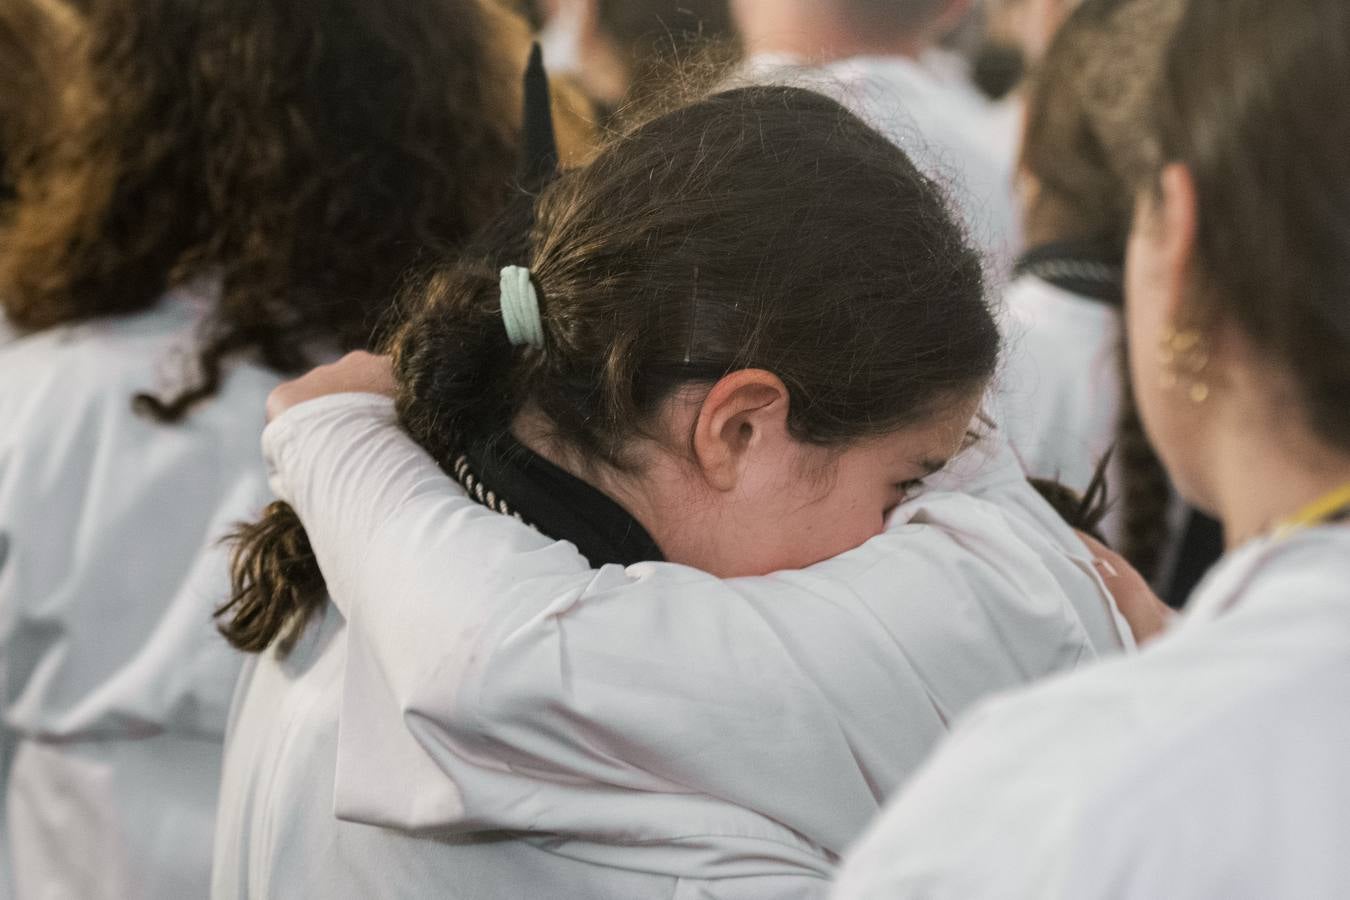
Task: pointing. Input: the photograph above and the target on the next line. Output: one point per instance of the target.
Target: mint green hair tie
(520, 308)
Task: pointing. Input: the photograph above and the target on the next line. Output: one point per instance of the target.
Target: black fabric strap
(539, 145)
(510, 478)
(1083, 268)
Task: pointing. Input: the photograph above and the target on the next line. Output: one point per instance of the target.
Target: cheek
(793, 531)
(835, 524)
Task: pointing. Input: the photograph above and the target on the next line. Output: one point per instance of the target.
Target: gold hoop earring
(1184, 356)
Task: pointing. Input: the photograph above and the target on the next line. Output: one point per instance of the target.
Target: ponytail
(457, 378)
(1083, 512)
(276, 580)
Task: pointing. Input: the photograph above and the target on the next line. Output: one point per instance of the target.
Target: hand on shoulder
(356, 373)
(1147, 615)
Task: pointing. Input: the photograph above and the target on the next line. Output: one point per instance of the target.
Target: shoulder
(1169, 773)
(1060, 385)
(996, 590)
(66, 396)
(1309, 571)
(1059, 342)
(895, 91)
(1273, 611)
(102, 363)
(93, 358)
(1001, 795)
(1039, 309)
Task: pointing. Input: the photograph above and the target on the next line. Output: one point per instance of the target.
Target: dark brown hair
(1087, 104)
(301, 152)
(759, 228)
(1253, 103)
(670, 49)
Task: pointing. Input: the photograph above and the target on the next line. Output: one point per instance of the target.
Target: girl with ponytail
(653, 579)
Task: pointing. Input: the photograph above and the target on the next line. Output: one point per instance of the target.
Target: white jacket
(1060, 396)
(953, 135)
(1061, 386)
(1211, 766)
(718, 738)
(115, 683)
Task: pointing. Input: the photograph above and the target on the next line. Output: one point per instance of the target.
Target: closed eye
(906, 488)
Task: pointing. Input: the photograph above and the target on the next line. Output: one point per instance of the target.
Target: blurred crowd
(674, 449)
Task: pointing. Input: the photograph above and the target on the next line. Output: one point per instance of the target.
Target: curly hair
(303, 152)
(36, 37)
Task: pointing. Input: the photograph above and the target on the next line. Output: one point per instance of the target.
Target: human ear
(1176, 218)
(744, 413)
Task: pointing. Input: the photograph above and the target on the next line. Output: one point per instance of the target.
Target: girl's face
(772, 502)
(830, 501)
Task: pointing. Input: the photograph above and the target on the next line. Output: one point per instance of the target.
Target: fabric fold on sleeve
(495, 681)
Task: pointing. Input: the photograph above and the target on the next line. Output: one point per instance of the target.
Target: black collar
(1087, 269)
(510, 478)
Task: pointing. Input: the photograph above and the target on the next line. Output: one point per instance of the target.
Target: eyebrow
(972, 437)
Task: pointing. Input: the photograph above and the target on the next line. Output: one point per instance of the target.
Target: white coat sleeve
(6, 733)
(483, 651)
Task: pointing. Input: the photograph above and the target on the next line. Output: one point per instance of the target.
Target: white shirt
(999, 122)
(952, 134)
(1061, 394)
(116, 685)
(7, 334)
(1061, 388)
(723, 738)
(1212, 766)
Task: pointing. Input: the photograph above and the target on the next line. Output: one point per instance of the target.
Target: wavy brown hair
(303, 152)
(37, 40)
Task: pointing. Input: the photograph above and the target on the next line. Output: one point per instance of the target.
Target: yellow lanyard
(1322, 510)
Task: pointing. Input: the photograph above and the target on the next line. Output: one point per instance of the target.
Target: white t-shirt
(1060, 395)
(116, 684)
(1060, 390)
(1211, 766)
(719, 738)
(952, 134)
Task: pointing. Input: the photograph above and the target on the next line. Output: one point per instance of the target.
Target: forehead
(928, 444)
